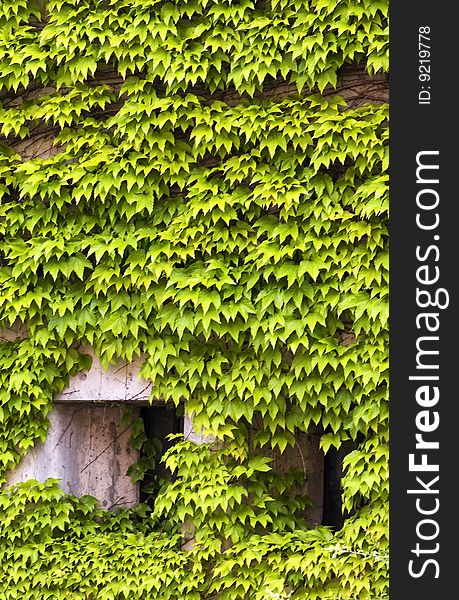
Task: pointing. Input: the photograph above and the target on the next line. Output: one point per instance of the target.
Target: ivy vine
(182, 181)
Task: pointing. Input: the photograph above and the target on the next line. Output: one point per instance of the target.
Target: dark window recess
(159, 422)
(333, 473)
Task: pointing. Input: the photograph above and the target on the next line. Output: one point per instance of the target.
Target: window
(88, 446)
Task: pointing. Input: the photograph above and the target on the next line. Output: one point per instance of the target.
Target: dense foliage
(233, 235)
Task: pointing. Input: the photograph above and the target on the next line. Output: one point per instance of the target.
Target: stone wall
(88, 449)
(88, 445)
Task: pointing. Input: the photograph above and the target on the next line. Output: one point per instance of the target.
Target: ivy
(182, 181)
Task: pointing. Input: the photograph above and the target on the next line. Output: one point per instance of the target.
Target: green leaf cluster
(179, 181)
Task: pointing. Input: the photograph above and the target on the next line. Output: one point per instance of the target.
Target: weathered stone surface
(88, 449)
(119, 383)
(17, 331)
(87, 446)
(192, 435)
(307, 456)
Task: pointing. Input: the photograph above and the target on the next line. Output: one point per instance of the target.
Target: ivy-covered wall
(182, 181)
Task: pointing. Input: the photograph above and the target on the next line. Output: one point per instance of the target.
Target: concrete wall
(87, 445)
(119, 383)
(88, 449)
(307, 456)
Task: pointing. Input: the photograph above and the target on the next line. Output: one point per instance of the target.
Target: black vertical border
(418, 127)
